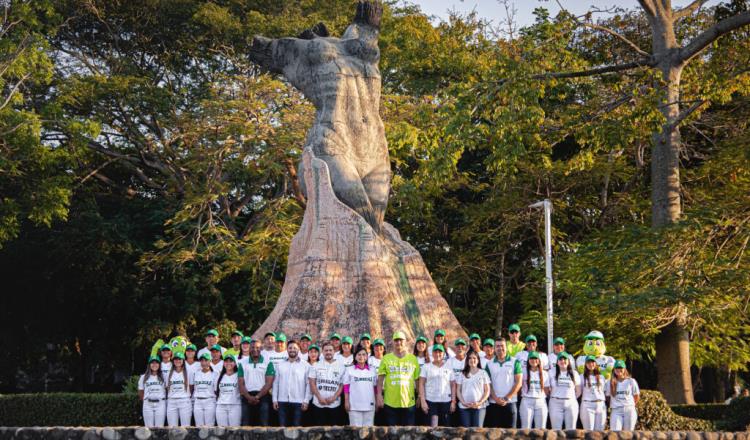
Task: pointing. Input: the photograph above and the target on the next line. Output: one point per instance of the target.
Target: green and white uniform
(154, 403)
(204, 397)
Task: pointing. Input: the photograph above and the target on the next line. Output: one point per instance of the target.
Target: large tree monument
(348, 270)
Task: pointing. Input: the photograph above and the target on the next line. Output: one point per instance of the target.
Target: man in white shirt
(212, 338)
(269, 345)
(326, 385)
(304, 345)
(255, 384)
(291, 388)
(531, 345)
(475, 343)
(505, 373)
(558, 346)
(456, 364)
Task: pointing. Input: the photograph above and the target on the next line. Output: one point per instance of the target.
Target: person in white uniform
(255, 386)
(191, 359)
(204, 383)
(228, 396)
(344, 355)
(291, 388)
(475, 343)
(304, 346)
(212, 339)
(280, 353)
(534, 391)
(593, 405)
(378, 351)
(439, 339)
(217, 363)
(326, 384)
(473, 390)
(435, 379)
(531, 346)
(558, 346)
(153, 392)
(166, 360)
(565, 389)
(179, 401)
(360, 381)
(269, 345)
(488, 348)
(624, 394)
(506, 376)
(366, 341)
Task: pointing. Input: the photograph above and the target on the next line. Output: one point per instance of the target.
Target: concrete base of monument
(350, 433)
(343, 277)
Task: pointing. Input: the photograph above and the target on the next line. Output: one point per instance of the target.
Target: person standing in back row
(514, 343)
(397, 377)
(212, 339)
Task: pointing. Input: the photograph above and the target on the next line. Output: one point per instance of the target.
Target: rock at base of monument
(343, 277)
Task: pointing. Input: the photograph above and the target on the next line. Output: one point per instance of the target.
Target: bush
(654, 414)
(704, 411)
(70, 409)
(737, 416)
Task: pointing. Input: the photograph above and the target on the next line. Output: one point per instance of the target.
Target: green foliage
(130, 386)
(70, 409)
(654, 414)
(737, 417)
(703, 411)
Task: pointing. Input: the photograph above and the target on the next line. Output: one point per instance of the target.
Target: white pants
(623, 418)
(179, 412)
(204, 411)
(228, 414)
(533, 410)
(153, 413)
(593, 415)
(563, 411)
(362, 418)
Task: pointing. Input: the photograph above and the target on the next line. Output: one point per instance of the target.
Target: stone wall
(349, 433)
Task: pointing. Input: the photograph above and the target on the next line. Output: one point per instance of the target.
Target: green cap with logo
(347, 340)
(620, 364)
(534, 355)
(154, 359)
(459, 341)
(559, 341)
(475, 336)
(191, 347)
(422, 339)
(488, 341)
(378, 341)
(230, 357)
(590, 358)
(563, 355)
(335, 336)
(398, 335)
(205, 357)
(237, 333)
(179, 355)
(306, 336)
(530, 338)
(212, 332)
(365, 336)
(280, 337)
(215, 347)
(514, 328)
(269, 334)
(438, 347)
(165, 347)
(439, 332)
(246, 340)
(313, 347)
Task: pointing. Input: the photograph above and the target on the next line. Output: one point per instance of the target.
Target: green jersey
(401, 376)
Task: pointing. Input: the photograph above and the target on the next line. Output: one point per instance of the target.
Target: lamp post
(547, 205)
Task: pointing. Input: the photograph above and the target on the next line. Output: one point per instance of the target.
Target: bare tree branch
(644, 62)
(689, 111)
(689, 9)
(712, 34)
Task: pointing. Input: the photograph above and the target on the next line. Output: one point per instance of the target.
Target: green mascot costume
(594, 346)
(178, 344)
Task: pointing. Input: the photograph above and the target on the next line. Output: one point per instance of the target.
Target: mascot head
(594, 345)
(178, 344)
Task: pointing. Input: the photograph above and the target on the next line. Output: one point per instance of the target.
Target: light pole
(547, 205)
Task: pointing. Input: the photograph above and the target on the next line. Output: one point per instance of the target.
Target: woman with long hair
(565, 388)
(179, 403)
(435, 389)
(439, 339)
(313, 354)
(473, 390)
(624, 394)
(378, 351)
(344, 354)
(204, 383)
(423, 357)
(359, 382)
(593, 408)
(152, 392)
(228, 398)
(534, 390)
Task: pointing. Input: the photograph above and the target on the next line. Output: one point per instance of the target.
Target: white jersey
(208, 350)
(192, 368)
(346, 361)
(472, 387)
(374, 362)
(593, 392)
(217, 366)
(553, 360)
(152, 387)
(606, 364)
(533, 390)
(275, 357)
(437, 384)
(361, 383)
(523, 356)
(204, 384)
(624, 393)
(229, 390)
(503, 375)
(328, 378)
(254, 373)
(456, 365)
(166, 367)
(178, 386)
(564, 385)
(422, 361)
(304, 356)
(449, 353)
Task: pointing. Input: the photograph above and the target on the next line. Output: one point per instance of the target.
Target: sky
(491, 9)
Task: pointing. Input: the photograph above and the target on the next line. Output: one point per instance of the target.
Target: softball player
(593, 408)
(531, 346)
(179, 403)
(439, 339)
(534, 390)
(152, 392)
(565, 388)
(344, 355)
(191, 361)
(204, 383)
(228, 401)
(624, 394)
(378, 351)
(166, 360)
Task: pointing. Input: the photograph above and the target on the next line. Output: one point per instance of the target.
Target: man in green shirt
(397, 377)
(515, 345)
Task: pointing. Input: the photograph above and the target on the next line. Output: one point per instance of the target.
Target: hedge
(704, 411)
(737, 417)
(70, 409)
(654, 414)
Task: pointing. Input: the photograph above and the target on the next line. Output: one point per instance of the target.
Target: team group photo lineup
(283, 381)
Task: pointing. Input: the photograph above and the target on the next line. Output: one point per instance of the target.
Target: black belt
(203, 398)
(155, 400)
(594, 401)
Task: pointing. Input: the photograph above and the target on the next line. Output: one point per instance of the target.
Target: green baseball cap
(534, 355)
(215, 347)
(378, 342)
(620, 364)
(205, 356)
(594, 335)
(422, 339)
(246, 340)
(238, 333)
(399, 335)
(365, 336)
(530, 338)
(165, 347)
(438, 347)
(514, 328)
(280, 337)
(154, 359)
(191, 347)
(439, 332)
(228, 357)
(313, 347)
(347, 340)
(179, 355)
(306, 336)
(590, 358)
(269, 334)
(563, 355)
(335, 336)
(559, 341)
(488, 341)
(459, 341)
(474, 336)
(212, 332)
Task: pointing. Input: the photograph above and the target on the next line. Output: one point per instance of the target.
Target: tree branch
(687, 113)
(712, 34)
(689, 9)
(644, 62)
(648, 6)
